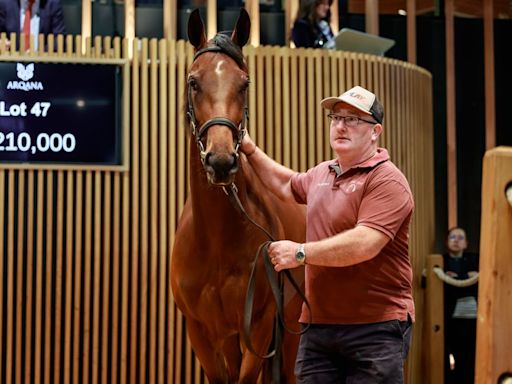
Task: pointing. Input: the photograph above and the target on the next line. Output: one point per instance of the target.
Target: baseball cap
(359, 98)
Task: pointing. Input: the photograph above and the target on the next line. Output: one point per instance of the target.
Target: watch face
(300, 255)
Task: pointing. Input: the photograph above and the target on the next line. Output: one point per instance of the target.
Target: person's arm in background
(275, 176)
(302, 34)
(57, 24)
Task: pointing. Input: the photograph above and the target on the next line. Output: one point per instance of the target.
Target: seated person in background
(460, 307)
(32, 16)
(312, 26)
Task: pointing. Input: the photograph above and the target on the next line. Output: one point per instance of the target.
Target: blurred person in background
(460, 309)
(32, 17)
(312, 28)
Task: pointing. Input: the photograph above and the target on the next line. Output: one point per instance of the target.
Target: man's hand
(247, 146)
(282, 254)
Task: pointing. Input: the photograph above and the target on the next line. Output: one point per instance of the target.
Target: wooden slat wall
(85, 294)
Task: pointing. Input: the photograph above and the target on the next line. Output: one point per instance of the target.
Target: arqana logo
(25, 72)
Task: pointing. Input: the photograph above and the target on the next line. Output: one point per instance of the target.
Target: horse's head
(217, 96)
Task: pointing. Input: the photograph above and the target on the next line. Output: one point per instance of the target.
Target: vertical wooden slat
(78, 304)
(135, 210)
(294, 110)
(170, 16)
(163, 217)
(87, 277)
(174, 125)
(211, 18)
(68, 289)
(106, 284)
(253, 7)
(39, 315)
(9, 314)
(435, 314)
(269, 102)
(490, 112)
(290, 13)
(129, 19)
(20, 197)
(86, 23)
(117, 277)
(310, 148)
(48, 356)
(302, 105)
(278, 103)
(129, 211)
(142, 315)
(318, 94)
(335, 22)
(411, 31)
(59, 240)
(284, 56)
(451, 127)
(260, 103)
(371, 8)
(153, 213)
(3, 309)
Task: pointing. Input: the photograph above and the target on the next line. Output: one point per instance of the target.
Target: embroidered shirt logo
(350, 187)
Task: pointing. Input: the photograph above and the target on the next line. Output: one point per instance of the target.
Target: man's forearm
(272, 174)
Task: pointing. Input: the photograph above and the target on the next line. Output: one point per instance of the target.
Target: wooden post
(434, 322)
(494, 333)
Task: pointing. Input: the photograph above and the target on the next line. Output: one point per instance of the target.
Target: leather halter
(238, 130)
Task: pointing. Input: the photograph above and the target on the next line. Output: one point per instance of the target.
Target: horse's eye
(244, 87)
(193, 84)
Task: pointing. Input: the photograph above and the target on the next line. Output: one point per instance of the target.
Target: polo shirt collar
(380, 156)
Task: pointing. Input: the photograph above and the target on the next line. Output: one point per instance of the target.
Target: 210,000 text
(23, 142)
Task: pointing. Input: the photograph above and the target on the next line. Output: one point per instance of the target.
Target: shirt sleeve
(385, 206)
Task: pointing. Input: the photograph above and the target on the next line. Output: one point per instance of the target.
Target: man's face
(457, 241)
(348, 140)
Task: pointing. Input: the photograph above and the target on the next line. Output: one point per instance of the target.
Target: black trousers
(354, 354)
(460, 341)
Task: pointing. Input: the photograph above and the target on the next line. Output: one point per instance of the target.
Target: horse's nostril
(207, 158)
(222, 165)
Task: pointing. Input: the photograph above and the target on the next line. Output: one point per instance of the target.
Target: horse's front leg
(211, 358)
(261, 336)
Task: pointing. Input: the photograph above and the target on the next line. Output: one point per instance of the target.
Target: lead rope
(276, 285)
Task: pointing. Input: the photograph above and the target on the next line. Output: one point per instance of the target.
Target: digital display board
(61, 113)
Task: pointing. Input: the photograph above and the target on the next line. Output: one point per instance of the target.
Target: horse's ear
(242, 30)
(196, 33)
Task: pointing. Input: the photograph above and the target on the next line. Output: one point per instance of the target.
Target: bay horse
(215, 245)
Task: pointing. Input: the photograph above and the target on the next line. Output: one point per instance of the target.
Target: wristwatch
(300, 254)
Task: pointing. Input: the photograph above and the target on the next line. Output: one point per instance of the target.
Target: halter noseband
(238, 130)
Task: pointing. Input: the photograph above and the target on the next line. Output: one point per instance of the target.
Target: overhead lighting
(402, 12)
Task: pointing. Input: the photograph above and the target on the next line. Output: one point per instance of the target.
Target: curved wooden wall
(85, 294)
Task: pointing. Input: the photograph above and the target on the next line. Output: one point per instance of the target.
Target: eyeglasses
(456, 237)
(349, 121)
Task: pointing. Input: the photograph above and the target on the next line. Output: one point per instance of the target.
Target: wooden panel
(495, 281)
(451, 130)
(434, 309)
(490, 99)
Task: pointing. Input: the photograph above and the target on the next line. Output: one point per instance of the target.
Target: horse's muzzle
(221, 168)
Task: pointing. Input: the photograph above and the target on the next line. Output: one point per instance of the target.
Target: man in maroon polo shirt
(356, 258)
